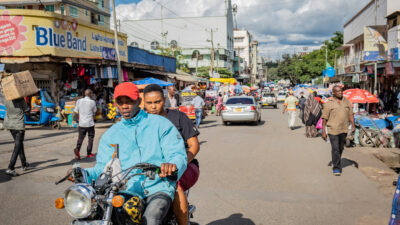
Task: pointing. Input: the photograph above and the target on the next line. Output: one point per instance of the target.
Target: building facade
(194, 36)
(90, 11)
(242, 40)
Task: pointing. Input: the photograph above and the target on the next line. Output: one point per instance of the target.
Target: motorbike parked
(101, 203)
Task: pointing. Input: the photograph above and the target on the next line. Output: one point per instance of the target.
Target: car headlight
(80, 200)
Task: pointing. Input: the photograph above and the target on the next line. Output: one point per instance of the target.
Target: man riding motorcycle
(154, 102)
(143, 138)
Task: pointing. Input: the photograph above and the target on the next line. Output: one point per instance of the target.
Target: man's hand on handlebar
(167, 169)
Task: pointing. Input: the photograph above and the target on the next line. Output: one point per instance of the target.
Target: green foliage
(305, 68)
(223, 72)
(175, 53)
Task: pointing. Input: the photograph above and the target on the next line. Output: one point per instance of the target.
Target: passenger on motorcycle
(143, 138)
(154, 101)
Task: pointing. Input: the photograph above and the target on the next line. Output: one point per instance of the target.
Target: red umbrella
(360, 96)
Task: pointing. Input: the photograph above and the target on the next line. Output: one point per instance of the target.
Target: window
(154, 45)
(20, 7)
(242, 101)
(49, 8)
(241, 39)
(100, 19)
(86, 12)
(173, 44)
(223, 57)
(197, 54)
(134, 44)
(73, 11)
(62, 9)
(101, 4)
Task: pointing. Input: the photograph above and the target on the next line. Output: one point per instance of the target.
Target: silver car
(241, 109)
(269, 99)
(281, 96)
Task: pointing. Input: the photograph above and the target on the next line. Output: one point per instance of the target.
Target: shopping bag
(213, 110)
(319, 124)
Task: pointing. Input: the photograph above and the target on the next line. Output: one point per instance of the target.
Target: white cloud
(280, 26)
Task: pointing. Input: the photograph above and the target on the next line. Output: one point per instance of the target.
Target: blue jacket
(143, 139)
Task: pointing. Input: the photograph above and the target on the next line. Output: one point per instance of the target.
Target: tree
(223, 72)
(177, 54)
(305, 68)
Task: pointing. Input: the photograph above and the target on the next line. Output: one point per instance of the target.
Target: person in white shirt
(198, 104)
(86, 109)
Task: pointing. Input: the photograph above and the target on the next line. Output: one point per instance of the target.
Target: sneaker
(26, 167)
(91, 155)
(12, 173)
(337, 172)
(77, 154)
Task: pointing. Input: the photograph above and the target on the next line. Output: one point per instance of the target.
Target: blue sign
(394, 54)
(373, 56)
(1, 67)
(330, 72)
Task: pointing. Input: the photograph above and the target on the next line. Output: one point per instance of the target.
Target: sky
(280, 26)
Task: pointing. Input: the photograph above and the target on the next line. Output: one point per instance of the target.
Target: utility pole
(197, 61)
(212, 52)
(120, 79)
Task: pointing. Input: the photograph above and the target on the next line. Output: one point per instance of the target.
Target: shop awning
(224, 80)
(182, 76)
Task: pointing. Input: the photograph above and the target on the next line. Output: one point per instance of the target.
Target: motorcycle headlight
(80, 200)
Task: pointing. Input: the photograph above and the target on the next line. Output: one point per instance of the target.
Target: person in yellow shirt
(36, 102)
(290, 105)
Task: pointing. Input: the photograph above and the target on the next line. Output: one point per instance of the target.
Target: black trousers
(337, 143)
(18, 136)
(82, 135)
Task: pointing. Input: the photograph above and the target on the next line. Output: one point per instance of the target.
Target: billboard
(375, 43)
(38, 33)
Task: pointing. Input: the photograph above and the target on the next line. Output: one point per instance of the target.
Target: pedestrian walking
(302, 104)
(219, 104)
(336, 115)
(172, 101)
(225, 98)
(85, 109)
(198, 104)
(312, 113)
(14, 121)
(290, 105)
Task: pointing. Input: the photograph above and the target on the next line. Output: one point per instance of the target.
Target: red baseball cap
(127, 89)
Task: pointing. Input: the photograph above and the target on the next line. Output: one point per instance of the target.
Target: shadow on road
(297, 127)
(346, 163)
(202, 142)
(42, 136)
(208, 121)
(4, 177)
(234, 219)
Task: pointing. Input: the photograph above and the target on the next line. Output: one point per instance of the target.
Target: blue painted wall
(137, 55)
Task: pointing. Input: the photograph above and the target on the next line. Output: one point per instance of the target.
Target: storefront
(65, 55)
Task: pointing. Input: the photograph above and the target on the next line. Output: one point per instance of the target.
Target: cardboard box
(19, 85)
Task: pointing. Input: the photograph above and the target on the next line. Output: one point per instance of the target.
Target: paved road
(263, 174)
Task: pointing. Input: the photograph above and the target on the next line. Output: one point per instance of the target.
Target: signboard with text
(36, 33)
(375, 43)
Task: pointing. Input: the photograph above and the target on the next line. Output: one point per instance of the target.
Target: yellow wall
(37, 33)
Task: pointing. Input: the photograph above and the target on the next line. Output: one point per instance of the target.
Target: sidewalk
(49, 152)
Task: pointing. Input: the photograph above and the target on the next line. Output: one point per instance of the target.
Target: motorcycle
(101, 203)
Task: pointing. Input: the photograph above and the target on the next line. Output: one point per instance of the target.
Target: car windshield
(281, 94)
(243, 101)
(269, 95)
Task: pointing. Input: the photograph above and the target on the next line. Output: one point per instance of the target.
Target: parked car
(269, 99)
(281, 97)
(241, 109)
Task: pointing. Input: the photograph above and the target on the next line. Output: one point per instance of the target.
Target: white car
(281, 96)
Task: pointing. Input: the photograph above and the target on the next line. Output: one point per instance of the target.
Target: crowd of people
(330, 119)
